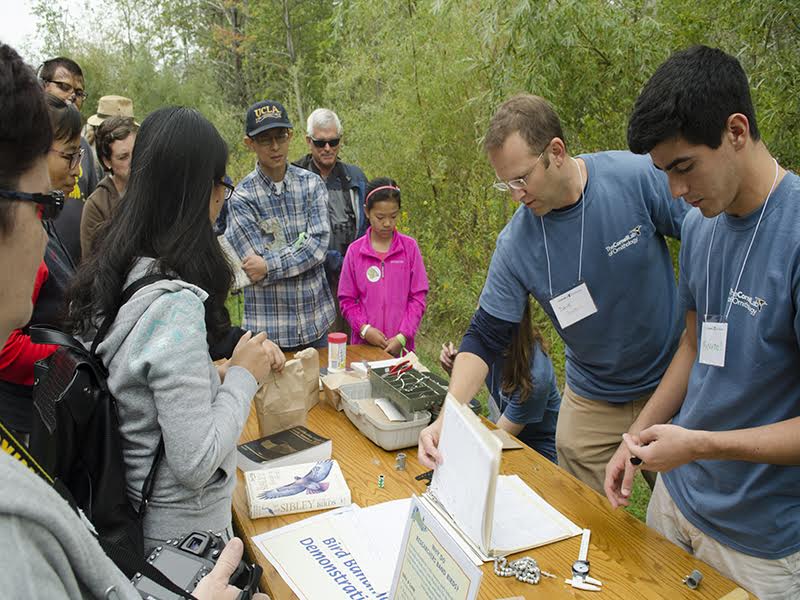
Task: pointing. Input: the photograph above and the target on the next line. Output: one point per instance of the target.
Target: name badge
(573, 305)
(713, 339)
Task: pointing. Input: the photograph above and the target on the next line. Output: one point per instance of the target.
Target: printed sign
(432, 566)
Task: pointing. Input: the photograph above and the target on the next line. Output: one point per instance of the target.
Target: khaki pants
(588, 434)
(768, 579)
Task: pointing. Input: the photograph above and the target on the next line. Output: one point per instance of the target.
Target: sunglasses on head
(49, 205)
(321, 143)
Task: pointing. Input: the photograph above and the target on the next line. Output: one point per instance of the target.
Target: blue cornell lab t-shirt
(753, 508)
(539, 412)
(619, 353)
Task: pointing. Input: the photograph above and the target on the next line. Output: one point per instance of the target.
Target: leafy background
(415, 83)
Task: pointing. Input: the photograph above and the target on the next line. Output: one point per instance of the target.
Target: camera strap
(128, 561)
(17, 450)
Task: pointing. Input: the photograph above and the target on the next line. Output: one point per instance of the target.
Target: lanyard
(544, 234)
(747, 254)
(16, 449)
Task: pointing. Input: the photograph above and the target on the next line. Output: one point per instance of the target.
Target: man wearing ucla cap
(278, 226)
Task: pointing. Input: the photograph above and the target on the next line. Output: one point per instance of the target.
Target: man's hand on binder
(427, 451)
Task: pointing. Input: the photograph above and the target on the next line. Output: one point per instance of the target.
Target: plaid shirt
(290, 230)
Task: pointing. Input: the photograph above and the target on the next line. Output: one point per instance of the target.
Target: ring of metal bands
(524, 569)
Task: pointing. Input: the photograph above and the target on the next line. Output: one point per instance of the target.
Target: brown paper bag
(286, 397)
(310, 359)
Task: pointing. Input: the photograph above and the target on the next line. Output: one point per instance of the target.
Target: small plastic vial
(337, 351)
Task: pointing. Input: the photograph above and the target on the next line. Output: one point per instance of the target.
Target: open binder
(489, 514)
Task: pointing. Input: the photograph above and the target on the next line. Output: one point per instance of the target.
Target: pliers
(400, 368)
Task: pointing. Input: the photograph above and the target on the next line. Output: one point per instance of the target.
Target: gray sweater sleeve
(43, 568)
(201, 420)
(47, 550)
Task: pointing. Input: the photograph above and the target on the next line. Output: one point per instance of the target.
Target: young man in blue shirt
(278, 225)
(730, 486)
(588, 244)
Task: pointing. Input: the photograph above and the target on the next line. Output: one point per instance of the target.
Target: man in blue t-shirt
(730, 485)
(588, 244)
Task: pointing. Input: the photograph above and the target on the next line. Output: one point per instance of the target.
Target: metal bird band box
(411, 391)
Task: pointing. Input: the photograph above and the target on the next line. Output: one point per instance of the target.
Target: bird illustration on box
(312, 483)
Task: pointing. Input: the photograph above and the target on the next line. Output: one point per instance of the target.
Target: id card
(573, 305)
(713, 339)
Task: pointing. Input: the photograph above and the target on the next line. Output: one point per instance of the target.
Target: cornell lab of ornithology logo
(626, 242)
(752, 304)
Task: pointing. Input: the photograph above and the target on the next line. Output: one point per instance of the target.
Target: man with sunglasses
(278, 226)
(63, 78)
(346, 185)
(588, 244)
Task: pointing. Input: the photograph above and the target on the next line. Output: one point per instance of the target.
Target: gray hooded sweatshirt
(162, 376)
(48, 552)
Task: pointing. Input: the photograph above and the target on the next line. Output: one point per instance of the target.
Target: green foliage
(416, 82)
(419, 81)
(640, 497)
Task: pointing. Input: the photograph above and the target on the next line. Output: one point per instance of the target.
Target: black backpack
(75, 435)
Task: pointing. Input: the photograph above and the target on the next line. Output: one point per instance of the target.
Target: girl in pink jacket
(383, 284)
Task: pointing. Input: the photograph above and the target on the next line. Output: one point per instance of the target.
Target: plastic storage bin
(360, 408)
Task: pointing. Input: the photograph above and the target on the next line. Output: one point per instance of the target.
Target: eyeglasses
(269, 140)
(50, 205)
(73, 157)
(68, 88)
(519, 183)
(322, 143)
(229, 189)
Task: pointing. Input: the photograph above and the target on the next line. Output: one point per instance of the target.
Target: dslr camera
(186, 561)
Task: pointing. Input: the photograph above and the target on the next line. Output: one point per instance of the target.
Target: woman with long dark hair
(156, 351)
(523, 391)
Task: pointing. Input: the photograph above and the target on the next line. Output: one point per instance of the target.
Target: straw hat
(111, 106)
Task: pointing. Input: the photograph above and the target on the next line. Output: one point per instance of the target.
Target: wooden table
(631, 560)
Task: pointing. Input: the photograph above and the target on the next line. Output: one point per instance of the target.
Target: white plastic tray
(360, 408)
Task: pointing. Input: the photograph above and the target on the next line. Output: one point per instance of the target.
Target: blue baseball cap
(264, 115)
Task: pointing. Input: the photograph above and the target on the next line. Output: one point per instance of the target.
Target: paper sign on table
(431, 564)
(346, 553)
